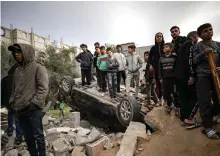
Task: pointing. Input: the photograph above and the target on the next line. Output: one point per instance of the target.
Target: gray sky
(112, 22)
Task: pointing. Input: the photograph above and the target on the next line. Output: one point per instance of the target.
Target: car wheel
(128, 110)
(67, 84)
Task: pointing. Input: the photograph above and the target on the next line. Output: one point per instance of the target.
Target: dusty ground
(174, 140)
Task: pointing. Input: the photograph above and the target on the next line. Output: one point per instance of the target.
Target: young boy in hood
(121, 69)
(204, 83)
(133, 64)
(85, 59)
(29, 91)
(166, 74)
(149, 76)
(102, 65)
(112, 68)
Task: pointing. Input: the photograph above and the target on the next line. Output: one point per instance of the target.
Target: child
(133, 64)
(166, 74)
(102, 65)
(112, 65)
(150, 81)
(204, 80)
(96, 55)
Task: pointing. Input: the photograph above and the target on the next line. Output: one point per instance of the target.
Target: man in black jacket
(178, 41)
(185, 76)
(85, 59)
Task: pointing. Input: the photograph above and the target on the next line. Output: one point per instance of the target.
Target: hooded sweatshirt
(133, 63)
(30, 83)
(121, 60)
(200, 60)
(85, 59)
(102, 62)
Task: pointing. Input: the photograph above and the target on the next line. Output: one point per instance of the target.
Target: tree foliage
(109, 45)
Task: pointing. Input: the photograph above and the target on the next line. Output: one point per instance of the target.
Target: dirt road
(174, 140)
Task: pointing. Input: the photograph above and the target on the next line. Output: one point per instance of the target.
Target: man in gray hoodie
(133, 64)
(29, 90)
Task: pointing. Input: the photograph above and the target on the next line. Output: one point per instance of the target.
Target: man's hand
(154, 81)
(191, 81)
(80, 60)
(151, 68)
(174, 54)
(161, 81)
(207, 51)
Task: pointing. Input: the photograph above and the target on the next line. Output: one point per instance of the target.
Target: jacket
(166, 66)
(200, 60)
(184, 65)
(121, 60)
(102, 62)
(85, 59)
(95, 59)
(133, 63)
(149, 74)
(178, 42)
(30, 83)
(112, 65)
(155, 53)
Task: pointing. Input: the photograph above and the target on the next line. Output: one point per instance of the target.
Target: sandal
(177, 112)
(196, 124)
(211, 134)
(167, 110)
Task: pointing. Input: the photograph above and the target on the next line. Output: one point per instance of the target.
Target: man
(85, 59)
(185, 77)
(30, 88)
(121, 70)
(133, 64)
(178, 41)
(205, 85)
(97, 45)
(6, 89)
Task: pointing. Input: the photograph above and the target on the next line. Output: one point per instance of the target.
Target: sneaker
(18, 142)
(9, 132)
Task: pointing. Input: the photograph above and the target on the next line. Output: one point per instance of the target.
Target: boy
(204, 82)
(102, 65)
(133, 64)
(112, 68)
(85, 59)
(150, 81)
(166, 74)
(121, 69)
(96, 55)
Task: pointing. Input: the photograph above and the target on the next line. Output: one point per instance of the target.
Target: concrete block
(95, 148)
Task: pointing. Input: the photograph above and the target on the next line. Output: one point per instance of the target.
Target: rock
(129, 142)
(50, 154)
(83, 131)
(24, 153)
(85, 124)
(73, 134)
(45, 120)
(10, 144)
(119, 135)
(95, 148)
(153, 119)
(108, 145)
(112, 137)
(52, 135)
(75, 119)
(13, 152)
(62, 129)
(149, 133)
(70, 139)
(61, 147)
(78, 150)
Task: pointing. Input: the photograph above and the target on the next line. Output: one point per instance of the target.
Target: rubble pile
(68, 137)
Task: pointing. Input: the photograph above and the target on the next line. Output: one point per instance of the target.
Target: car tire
(128, 110)
(67, 84)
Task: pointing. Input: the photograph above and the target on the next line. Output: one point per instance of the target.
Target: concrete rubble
(68, 137)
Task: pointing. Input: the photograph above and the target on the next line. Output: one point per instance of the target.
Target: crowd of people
(177, 71)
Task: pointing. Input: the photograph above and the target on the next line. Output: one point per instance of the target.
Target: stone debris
(61, 147)
(45, 120)
(78, 150)
(85, 124)
(24, 153)
(128, 145)
(13, 152)
(95, 148)
(83, 131)
(75, 119)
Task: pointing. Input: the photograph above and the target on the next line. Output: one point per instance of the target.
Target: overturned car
(87, 99)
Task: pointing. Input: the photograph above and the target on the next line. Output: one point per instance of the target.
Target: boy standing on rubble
(102, 65)
(112, 65)
(166, 74)
(133, 64)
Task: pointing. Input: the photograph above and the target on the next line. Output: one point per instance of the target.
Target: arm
(160, 70)
(191, 70)
(78, 58)
(12, 97)
(140, 63)
(98, 62)
(42, 86)
(109, 64)
(197, 56)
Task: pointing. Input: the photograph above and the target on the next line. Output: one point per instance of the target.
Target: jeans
(112, 83)
(151, 89)
(11, 118)
(86, 74)
(168, 84)
(120, 74)
(31, 124)
(103, 77)
(136, 77)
